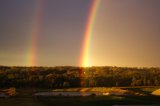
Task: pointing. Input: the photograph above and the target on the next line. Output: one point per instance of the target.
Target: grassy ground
(79, 101)
(143, 90)
(100, 101)
(25, 98)
(20, 101)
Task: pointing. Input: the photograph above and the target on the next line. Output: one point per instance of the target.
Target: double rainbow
(35, 31)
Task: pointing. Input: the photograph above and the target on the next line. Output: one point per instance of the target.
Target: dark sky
(126, 32)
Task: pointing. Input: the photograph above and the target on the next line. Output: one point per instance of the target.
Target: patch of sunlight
(156, 92)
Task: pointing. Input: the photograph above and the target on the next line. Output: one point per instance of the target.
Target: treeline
(68, 76)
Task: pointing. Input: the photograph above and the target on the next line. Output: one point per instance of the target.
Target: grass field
(25, 98)
(79, 101)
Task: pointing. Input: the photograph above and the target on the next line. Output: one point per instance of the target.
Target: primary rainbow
(35, 31)
(32, 55)
(89, 32)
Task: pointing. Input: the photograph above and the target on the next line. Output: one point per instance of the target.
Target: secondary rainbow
(35, 31)
(89, 32)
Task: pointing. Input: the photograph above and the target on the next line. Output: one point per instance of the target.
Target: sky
(125, 33)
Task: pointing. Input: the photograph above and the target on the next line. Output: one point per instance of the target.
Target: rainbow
(35, 31)
(89, 32)
(87, 40)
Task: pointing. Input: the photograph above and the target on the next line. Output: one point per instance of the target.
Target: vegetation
(81, 101)
(9, 92)
(68, 76)
(24, 82)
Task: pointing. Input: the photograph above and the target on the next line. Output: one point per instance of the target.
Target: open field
(25, 97)
(80, 101)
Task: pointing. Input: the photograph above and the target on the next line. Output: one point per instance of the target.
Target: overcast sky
(126, 32)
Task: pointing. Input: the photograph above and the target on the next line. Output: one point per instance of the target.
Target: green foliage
(68, 76)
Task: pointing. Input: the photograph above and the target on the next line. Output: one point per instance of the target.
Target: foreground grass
(24, 98)
(80, 101)
(18, 101)
(143, 90)
(101, 101)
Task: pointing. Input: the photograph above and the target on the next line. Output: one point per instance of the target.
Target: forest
(69, 76)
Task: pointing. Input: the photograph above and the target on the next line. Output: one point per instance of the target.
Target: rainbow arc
(89, 32)
(35, 31)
